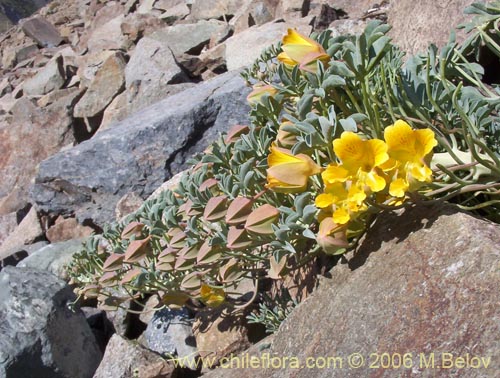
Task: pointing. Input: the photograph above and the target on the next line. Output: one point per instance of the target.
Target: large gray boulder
(423, 285)
(141, 152)
(41, 336)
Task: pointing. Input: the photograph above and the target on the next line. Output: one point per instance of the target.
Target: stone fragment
(108, 36)
(255, 39)
(140, 146)
(108, 82)
(137, 25)
(26, 51)
(220, 333)
(54, 257)
(423, 280)
(90, 63)
(129, 203)
(415, 36)
(27, 232)
(41, 335)
(153, 62)
(57, 95)
(170, 332)
(214, 9)
(174, 10)
(67, 229)
(48, 79)
(53, 125)
(125, 359)
(8, 223)
(190, 38)
(42, 32)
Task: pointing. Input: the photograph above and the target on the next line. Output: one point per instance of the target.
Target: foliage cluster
(341, 129)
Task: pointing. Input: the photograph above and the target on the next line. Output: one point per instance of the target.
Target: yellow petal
(284, 58)
(335, 173)
(425, 141)
(324, 200)
(341, 216)
(398, 188)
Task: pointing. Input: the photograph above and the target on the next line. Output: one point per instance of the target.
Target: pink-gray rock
(8, 223)
(255, 40)
(214, 9)
(108, 36)
(128, 204)
(67, 229)
(48, 79)
(125, 359)
(41, 335)
(423, 283)
(220, 333)
(108, 82)
(27, 232)
(190, 38)
(174, 10)
(152, 63)
(54, 129)
(42, 32)
(415, 36)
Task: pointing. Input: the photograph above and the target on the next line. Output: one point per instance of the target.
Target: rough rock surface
(422, 282)
(27, 232)
(220, 333)
(170, 332)
(124, 359)
(139, 153)
(67, 229)
(41, 336)
(42, 32)
(53, 258)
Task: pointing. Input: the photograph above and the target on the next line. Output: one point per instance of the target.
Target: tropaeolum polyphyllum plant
(340, 130)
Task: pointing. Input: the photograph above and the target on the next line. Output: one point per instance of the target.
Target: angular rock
(170, 332)
(53, 258)
(172, 13)
(255, 40)
(190, 38)
(136, 25)
(152, 62)
(414, 36)
(423, 282)
(27, 232)
(54, 129)
(124, 359)
(90, 63)
(146, 6)
(41, 336)
(129, 203)
(42, 32)
(108, 82)
(48, 79)
(135, 154)
(8, 223)
(67, 229)
(108, 36)
(220, 333)
(26, 52)
(214, 9)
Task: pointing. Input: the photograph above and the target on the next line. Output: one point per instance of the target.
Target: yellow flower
(212, 296)
(301, 50)
(410, 148)
(288, 173)
(361, 158)
(260, 90)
